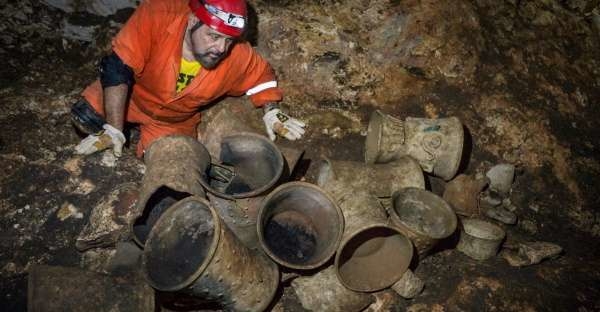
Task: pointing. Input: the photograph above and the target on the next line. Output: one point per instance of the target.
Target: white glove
(109, 137)
(281, 123)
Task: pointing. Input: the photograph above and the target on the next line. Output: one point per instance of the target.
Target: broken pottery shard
(501, 177)
(409, 286)
(531, 253)
(462, 193)
(499, 213)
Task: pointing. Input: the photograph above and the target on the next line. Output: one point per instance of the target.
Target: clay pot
(299, 225)
(381, 180)
(248, 165)
(239, 210)
(174, 167)
(422, 216)
(191, 250)
(436, 144)
(373, 254)
(479, 239)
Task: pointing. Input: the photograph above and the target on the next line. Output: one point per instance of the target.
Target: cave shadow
(251, 32)
(467, 150)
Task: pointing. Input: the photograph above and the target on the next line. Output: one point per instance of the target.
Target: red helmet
(225, 16)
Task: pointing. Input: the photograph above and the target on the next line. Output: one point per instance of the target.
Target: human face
(210, 46)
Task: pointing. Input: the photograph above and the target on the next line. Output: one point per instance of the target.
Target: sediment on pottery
(437, 144)
(422, 216)
(299, 225)
(380, 180)
(240, 217)
(191, 250)
(373, 254)
(480, 239)
(174, 167)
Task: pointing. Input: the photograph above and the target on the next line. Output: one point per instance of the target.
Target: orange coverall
(151, 44)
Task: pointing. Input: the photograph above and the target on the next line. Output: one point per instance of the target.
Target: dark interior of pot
(158, 203)
(248, 165)
(179, 246)
(300, 226)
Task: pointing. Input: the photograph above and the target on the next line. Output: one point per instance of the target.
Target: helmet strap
(196, 26)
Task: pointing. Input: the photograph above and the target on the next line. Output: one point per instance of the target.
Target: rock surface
(531, 253)
(409, 286)
(522, 76)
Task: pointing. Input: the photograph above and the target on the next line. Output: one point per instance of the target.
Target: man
(168, 60)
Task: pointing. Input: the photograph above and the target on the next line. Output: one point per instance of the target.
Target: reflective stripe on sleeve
(261, 87)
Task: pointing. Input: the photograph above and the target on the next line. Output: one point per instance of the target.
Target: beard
(209, 60)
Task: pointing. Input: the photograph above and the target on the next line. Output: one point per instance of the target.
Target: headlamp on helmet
(225, 16)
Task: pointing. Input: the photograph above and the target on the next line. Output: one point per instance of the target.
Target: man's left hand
(278, 122)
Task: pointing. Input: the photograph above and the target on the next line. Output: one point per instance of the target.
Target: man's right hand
(278, 122)
(110, 137)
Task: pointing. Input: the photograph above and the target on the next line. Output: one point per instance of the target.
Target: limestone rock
(409, 286)
(530, 253)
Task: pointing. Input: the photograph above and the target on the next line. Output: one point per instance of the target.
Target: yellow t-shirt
(187, 72)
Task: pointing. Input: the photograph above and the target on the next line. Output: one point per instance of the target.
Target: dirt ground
(522, 76)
